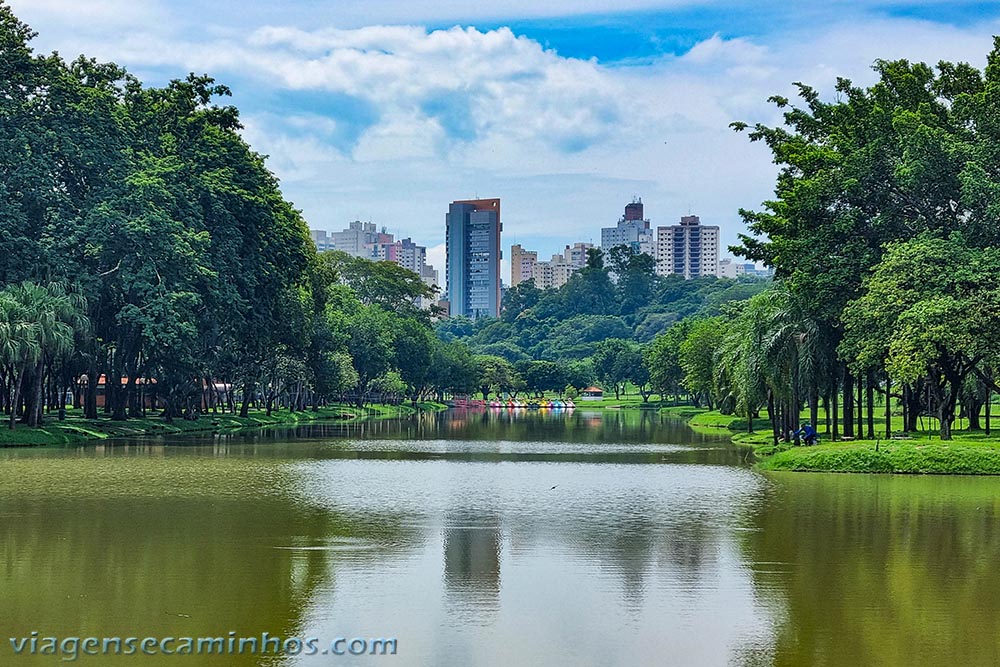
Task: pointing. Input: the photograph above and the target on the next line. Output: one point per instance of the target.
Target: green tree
(518, 299)
(542, 376)
(930, 310)
(662, 359)
(453, 369)
(370, 346)
(384, 284)
(495, 374)
(37, 323)
(611, 365)
(697, 358)
(413, 349)
(914, 153)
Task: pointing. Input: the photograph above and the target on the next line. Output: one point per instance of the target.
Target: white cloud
(464, 111)
(449, 114)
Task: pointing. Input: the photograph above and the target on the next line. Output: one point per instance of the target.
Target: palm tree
(774, 353)
(38, 323)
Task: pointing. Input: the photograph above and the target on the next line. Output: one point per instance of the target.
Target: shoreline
(75, 430)
(970, 453)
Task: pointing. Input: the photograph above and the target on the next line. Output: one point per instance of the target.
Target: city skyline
(557, 269)
(565, 109)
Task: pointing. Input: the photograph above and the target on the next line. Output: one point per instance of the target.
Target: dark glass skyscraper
(472, 247)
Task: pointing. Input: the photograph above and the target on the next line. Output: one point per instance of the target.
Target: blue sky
(386, 110)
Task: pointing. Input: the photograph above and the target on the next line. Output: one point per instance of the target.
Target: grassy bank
(629, 402)
(969, 453)
(76, 429)
(971, 457)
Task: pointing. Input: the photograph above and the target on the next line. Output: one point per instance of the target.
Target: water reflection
(485, 538)
(472, 567)
(880, 570)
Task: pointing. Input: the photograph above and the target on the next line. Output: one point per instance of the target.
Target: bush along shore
(969, 453)
(75, 429)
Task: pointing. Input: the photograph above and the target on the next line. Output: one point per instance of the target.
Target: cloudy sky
(386, 110)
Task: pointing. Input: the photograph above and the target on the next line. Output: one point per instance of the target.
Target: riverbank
(969, 453)
(75, 429)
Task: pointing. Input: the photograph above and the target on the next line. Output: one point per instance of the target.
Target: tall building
(321, 239)
(522, 265)
(576, 254)
(363, 239)
(632, 230)
(356, 240)
(689, 249)
(554, 273)
(472, 257)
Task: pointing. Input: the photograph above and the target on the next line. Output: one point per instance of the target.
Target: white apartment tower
(689, 249)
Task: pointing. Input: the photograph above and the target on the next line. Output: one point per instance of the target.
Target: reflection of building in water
(472, 565)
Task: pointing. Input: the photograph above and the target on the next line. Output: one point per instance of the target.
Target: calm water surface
(496, 539)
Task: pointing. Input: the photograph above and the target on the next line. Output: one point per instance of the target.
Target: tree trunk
(247, 392)
(36, 419)
(835, 433)
(989, 402)
(848, 404)
(814, 406)
(16, 399)
(826, 412)
(772, 414)
(975, 404)
(905, 402)
(946, 404)
(870, 403)
(888, 407)
(859, 415)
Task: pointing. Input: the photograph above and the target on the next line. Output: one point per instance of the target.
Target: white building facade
(689, 249)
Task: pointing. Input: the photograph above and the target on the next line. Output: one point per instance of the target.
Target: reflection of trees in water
(682, 548)
(880, 570)
(625, 547)
(472, 558)
(363, 440)
(338, 439)
(148, 547)
(640, 426)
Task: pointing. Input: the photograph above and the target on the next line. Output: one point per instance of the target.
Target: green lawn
(77, 429)
(964, 455)
(969, 452)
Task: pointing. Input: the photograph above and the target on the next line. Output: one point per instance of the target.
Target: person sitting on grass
(808, 433)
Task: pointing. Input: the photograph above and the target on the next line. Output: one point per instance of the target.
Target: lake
(492, 538)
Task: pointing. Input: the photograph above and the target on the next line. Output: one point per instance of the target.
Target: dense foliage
(624, 299)
(150, 260)
(883, 234)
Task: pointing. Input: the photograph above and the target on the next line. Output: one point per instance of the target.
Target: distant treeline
(597, 328)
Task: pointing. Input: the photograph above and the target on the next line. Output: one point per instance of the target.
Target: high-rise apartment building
(632, 230)
(357, 239)
(577, 254)
(689, 249)
(472, 257)
(363, 239)
(522, 265)
(554, 273)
